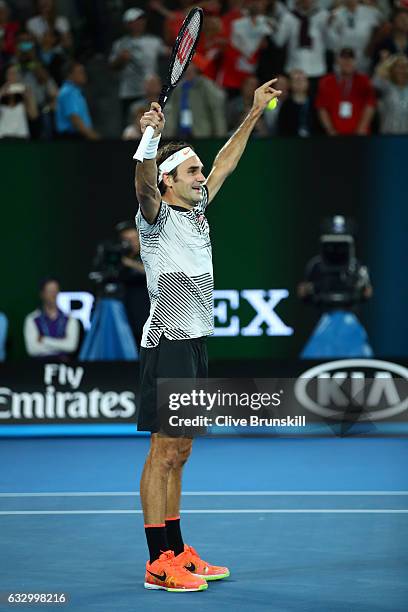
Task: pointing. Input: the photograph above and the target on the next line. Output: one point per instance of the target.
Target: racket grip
(144, 143)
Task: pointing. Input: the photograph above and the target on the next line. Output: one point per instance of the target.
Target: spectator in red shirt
(8, 29)
(234, 11)
(345, 100)
(212, 43)
(248, 35)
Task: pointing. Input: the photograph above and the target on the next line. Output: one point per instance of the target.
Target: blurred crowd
(89, 69)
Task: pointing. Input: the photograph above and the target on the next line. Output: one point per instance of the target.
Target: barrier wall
(342, 397)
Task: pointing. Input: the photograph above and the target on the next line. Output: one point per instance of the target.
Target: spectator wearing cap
(72, 117)
(135, 56)
(3, 335)
(391, 81)
(346, 99)
(47, 19)
(48, 332)
(297, 115)
(352, 25)
(196, 108)
(8, 30)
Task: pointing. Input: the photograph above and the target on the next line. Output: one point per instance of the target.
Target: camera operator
(133, 277)
(335, 278)
(336, 282)
(119, 273)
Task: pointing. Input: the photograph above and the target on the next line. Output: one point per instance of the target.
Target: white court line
(202, 493)
(232, 511)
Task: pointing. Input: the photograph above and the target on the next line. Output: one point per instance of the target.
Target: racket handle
(144, 143)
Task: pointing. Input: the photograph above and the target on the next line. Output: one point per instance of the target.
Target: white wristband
(151, 150)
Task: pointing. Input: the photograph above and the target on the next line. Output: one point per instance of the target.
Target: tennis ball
(272, 104)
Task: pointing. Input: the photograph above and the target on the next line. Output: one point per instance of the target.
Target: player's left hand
(265, 93)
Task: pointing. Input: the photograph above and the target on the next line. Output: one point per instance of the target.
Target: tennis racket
(181, 56)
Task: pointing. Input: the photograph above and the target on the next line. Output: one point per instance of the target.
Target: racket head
(183, 51)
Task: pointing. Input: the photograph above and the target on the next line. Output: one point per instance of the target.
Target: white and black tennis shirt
(176, 253)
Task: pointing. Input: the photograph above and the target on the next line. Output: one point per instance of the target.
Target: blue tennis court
(304, 525)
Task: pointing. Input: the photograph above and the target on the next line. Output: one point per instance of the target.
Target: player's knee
(184, 451)
(166, 455)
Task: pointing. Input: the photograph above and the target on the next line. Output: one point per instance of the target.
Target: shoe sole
(214, 577)
(157, 587)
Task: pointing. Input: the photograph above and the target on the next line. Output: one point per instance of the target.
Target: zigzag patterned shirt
(176, 253)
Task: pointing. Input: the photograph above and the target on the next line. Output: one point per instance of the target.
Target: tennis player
(173, 194)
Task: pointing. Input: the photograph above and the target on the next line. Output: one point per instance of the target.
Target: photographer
(17, 106)
(133, 277)
(336, 282)
(119, 274)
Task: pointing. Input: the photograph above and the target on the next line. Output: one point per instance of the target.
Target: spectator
(8, 30)
(48, 332)
(73, 120)
(235, 10)
(391, 81)
(175, 18)
(132, 131)
(297, 116)
(52, 56)
(135, 56)
(352, 25)
(3, 335)
(17, 106)
(306, 34)
(248, 35)
(47, 19)
(152, 89)
(271, 116)
(212, 43)
(346, 99)
(44, 88)
(196, 108)
(392, 38)
(4, 57)
(240, 106)
(272, 57)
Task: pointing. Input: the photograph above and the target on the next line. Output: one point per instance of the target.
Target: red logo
(185, 46)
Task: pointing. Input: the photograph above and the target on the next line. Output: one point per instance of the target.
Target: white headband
(175, 160)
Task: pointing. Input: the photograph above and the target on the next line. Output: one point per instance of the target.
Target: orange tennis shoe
(194, 564)
(166, 573)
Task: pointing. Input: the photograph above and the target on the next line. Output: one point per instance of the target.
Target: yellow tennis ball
(272, 104)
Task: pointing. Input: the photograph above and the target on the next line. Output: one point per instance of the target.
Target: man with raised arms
(173, 194)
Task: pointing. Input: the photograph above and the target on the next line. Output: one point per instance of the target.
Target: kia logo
(333, 389)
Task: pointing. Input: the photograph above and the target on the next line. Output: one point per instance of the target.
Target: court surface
(304, 524)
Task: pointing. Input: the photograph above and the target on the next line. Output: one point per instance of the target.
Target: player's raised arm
(230, 154)
(147, 192)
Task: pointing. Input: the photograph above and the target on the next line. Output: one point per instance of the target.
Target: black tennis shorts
(170, 359)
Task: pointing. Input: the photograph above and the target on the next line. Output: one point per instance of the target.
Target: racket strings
(185, 48)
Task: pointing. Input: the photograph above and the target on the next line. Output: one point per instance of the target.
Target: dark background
(58, 200)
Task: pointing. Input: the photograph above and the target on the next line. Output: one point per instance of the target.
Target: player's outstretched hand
(153, 117)
(265, 93)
